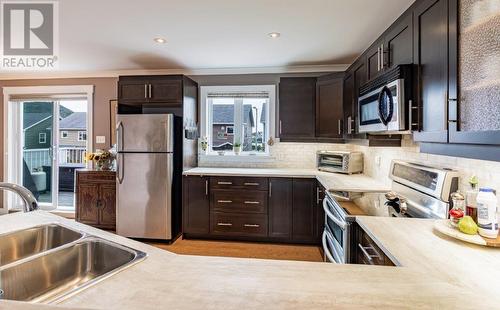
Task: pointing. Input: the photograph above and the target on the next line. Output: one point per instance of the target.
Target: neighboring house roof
(32, 119)
(224, 114)
(77, 120)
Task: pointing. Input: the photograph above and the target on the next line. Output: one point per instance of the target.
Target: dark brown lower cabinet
(280, 208)
(96, 198)
(254, 209)
(196, 205)
(304, 210)
(366, 251)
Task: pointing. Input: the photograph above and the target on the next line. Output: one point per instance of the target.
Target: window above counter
(237, 119)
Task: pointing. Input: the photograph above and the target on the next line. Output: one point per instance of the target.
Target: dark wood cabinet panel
(329, 112)
(280, 208)
(365, 251)
(399, 42)
(244, 225)
(431, 60)
(166, 90)
(87, 201)
(297, 100)
(374, 57)
(96, 198)
(133, 91)
(196, 205)
(107, 203)
(246, 183)
(348, 104)
(304, 210)
(239, 200)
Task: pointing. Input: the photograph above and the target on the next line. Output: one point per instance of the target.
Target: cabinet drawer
(239, 182)
(239, 201)
(369, 253)
(238, 224)
(107, 177)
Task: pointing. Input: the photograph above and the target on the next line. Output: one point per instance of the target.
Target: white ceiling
(111, 35)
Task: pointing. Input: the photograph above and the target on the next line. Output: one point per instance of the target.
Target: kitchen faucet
(30, 202)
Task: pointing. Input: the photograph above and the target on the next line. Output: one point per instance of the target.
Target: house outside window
(64, 134)
(237, 115)
(82, 136)
(42, 137)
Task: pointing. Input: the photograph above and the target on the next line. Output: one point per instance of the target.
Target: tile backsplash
(377, 161)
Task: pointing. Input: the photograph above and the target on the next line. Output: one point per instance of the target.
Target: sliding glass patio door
(52, 146)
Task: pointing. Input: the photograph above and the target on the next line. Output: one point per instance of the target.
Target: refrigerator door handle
(120, 168)
(119, 137)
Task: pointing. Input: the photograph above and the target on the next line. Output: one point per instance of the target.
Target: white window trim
(82, 132)
(64, 134)
(87, 91)
(206, 114)
(40, 135)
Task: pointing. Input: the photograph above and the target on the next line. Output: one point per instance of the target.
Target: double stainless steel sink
(51, 262)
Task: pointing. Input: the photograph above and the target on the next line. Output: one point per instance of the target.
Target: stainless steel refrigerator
(145, 145)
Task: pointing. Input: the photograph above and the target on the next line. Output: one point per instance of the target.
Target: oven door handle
(326, 250)
(342, 224)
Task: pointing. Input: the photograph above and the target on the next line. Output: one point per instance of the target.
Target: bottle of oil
(470, 198)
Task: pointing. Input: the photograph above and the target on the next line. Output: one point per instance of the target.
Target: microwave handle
(342, 224)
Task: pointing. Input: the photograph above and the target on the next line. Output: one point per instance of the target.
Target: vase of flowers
(103, 159)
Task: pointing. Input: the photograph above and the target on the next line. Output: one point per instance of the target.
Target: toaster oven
(340, 161)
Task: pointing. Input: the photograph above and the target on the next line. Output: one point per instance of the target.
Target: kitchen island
(436, 273)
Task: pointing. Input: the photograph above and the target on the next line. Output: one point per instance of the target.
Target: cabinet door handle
(339, 126)
(224, 224)
(206, 187)
(349, 125)
(280, 127)
(252, 225)
(224, 201)
(252, 202)
(98, 204)
(224, 183)
(146, 91)
(150, 91)
(378, 58)
(366, 254)
(270, 188)
(382, 65)
(318, 191)
(251, 184)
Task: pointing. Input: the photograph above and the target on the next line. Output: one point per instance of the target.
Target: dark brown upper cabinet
(355, 77)
(375, 59)
(310, 109)
(150, 89)
(329, 111)
(431, 54)
(297, 100)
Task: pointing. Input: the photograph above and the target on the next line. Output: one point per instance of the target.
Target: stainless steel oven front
(337, 233)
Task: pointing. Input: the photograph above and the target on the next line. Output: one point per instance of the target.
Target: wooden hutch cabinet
(96, 198)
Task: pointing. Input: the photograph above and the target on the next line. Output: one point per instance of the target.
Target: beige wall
(105, 89)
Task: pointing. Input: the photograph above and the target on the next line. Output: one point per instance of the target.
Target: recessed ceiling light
(274, 35)
(160, 40)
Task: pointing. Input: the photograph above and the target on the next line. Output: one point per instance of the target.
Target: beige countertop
(436, 273)
(331, 181)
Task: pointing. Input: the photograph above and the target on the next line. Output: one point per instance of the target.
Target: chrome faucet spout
(30, 202)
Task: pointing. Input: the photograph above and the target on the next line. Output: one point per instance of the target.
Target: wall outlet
(377, 160)
(100, 139)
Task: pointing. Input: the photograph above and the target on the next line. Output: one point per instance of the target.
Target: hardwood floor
(243, 249)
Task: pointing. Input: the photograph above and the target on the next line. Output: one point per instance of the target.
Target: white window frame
(42, 136)
(11, 139)
(206, 114)
(64, 134)
(79, 135)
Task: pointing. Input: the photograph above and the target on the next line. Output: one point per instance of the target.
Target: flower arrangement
(103, 159)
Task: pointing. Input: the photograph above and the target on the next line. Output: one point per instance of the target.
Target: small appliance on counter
(340, 161)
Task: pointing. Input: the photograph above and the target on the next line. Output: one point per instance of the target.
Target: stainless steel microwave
(384, 102)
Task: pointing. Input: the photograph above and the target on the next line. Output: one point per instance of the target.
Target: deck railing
(37, 158)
